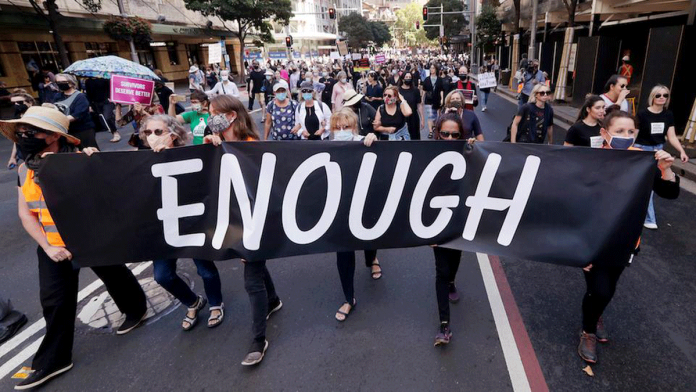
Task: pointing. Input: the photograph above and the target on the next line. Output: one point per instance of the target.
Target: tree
(380, 33)
(487, 28)
(357, 29)
(250, 16)
(405, 25)
(453, 23)
(571, 5)
(51, 15)
(516, 27)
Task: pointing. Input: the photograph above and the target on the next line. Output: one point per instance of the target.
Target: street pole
(472, 30)
(442, 29)
(134, 54)
(532, 40)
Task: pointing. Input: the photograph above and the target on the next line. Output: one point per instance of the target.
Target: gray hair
(173, 126)
(70, 78)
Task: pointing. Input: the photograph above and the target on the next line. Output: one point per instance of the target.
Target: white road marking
(11, 344)
(91, 307)
(688, 185)
(513, 360)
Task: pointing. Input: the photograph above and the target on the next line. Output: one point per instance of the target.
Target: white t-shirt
(609, 102)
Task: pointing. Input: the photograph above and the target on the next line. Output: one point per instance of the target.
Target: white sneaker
(484, 109)
(651, 226)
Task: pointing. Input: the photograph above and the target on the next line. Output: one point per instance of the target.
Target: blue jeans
(650, 217)
(165, 276)
(485, 97)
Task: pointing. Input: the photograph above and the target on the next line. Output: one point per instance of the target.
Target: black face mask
(256, 67)
(20, 109)
(31, 146)
(407, 82)
(356, 108)
(63, 86)
(463, 76)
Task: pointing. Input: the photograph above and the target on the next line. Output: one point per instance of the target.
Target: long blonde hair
(535, 90)
(654, 92)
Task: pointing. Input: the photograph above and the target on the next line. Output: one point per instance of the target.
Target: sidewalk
(565, 115)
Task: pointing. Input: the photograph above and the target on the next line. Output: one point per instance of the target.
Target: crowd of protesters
(400, 100)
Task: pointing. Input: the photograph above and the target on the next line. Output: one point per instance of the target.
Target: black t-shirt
(398, 120)
(328, 89)
(258, 77)
(412, 97)
(472, 126)
(653, 126)
(534, 123)
(366, 115)
(312, 122)
(579, 134)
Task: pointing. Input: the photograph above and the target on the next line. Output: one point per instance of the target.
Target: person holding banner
(344, 127)
(454, 102)
(197, 117)
(231, 122)
(75, 105)
(588, 124)
(619, 133)
(40, 132)
(448, 127)
(534, 120)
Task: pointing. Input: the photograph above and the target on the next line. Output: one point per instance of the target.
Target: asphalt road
(387, 342)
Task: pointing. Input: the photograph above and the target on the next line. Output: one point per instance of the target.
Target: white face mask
(344, 135)
(224, 77)
(155, 141)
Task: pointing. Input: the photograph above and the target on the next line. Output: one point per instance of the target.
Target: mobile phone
(179, 98)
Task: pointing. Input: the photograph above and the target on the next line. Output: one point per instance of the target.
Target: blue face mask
(281, 96)
(307, 96)
(621, 143)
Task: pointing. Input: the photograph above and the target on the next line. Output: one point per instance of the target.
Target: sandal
(376, 274)
(214, 321)
(200, 304)
(345, 314)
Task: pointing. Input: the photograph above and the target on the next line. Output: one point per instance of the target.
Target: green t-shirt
(198, 123)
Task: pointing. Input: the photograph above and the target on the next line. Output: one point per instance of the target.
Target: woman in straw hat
(39, 132)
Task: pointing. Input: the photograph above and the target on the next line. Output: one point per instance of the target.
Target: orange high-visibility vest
(34, 198)
(626, 71)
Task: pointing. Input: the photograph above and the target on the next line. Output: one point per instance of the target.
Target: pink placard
(380, 59)
(131, 90)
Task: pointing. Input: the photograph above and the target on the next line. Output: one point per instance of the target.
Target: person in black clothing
(98, 93)
(588, 123)
(412, 95)
(391, 118)
(433, 95)
(465, 83)
(373, 91)
(75, 105)
(328, 79)
(365, 112)
(534, 120)
(256, 79)
(619, 132)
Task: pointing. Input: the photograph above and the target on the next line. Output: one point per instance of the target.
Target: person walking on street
(413, 96)
(160, 132)
(392, 117)
(619, 133)
(233, 123)
(534, 120)
(40, 132)
(588, 124)
(98, 92)
(433, 95)
(311, 117)
(615, 92)
(197, 117)
(256, 92)
(195, 79)
(656, 125)
(280, 115)
(373, 91)
(454, 102)
(225, 86)
(75, 105)
(22, 102)
(338, 90)
(531, 77)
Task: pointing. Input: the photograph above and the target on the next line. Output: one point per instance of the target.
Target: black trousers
(107, 110)
(345, 262)
(601, 285)
(413, 122)
(58, 286)
(259, 286)
(446, 267)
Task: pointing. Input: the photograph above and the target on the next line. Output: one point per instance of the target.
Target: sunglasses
(305, 91)
(157, 132)
(388, 96)
(622, 85)
(27, 132)
(446, 134)
(19, 103)
(661, 96)
(542, 93)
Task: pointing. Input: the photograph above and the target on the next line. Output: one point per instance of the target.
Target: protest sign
(487, 80)
(129, 90)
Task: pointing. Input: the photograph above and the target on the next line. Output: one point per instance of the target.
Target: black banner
(264, 200)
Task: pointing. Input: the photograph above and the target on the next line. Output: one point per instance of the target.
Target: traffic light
(332, 13)
(288, 41)
(417, 25)
(425, 13)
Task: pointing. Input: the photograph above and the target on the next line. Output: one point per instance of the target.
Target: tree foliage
(358, 30)
(453, 23)
(405, 25)
(488, 28)
(380, 33)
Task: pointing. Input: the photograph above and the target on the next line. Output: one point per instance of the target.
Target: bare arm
(30, 221)
(377, 125)
(513, 129)
(549, 132)
(674, 141)
(267, 126)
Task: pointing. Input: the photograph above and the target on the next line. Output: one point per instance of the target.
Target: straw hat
(351, 97)
(41, 117)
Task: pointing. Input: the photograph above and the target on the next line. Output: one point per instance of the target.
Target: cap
(281, 84)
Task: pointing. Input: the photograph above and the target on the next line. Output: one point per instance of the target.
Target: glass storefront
(39, 55)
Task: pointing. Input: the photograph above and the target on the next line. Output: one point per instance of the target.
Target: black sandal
(376, 274)
(345, 314)
(200, 304)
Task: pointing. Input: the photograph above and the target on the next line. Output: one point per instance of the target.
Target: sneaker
(274, 307)
(39, 377)
(130, 324)
(651, 226)
(443, 337)
(602, 335)
(453, 293)
(484, 109)
(256, 353)
(588, 347)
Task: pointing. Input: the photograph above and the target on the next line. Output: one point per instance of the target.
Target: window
(173, 53)
(145, 55)
(192, 53)
(96, 49)
(39, 55)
